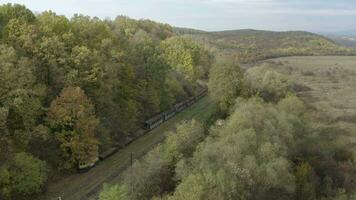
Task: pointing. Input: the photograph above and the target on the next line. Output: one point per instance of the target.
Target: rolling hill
(345, 40)
(249, 44)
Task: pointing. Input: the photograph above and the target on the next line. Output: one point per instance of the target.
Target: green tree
(22, 177)
(20, 95)
(183, 54)
(270, 85)
(183, 142)
(14, 11)
(305, 188)
(225, 83)
(247, 156)
(115, 192)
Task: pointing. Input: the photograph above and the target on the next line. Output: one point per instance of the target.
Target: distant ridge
(255, 31)
(182, 31)
(243, 32)
(344, 33)
(261, 44)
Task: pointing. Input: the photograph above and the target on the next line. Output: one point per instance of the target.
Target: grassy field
(328, 86)
(87, 185)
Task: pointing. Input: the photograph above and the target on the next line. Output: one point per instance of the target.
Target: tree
(20, 96)
(183, 55)
(247, 156)
(183, 142)
(14, 11)
(149, 177)
(327, 187)
(22, 177)
(71, 116)
(191, 189)
(304, 176)
(115, 192)
(225, 83)
(155, 173)
(270, 85)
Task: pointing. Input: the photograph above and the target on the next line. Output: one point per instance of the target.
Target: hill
(345, 40)
(249, 45)
(182, 31)
(351, 32)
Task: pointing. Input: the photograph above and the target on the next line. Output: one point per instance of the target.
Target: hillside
(250, 45)
(345, 40)
(182, 31)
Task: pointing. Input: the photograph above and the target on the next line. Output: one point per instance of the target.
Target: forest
(73, 88)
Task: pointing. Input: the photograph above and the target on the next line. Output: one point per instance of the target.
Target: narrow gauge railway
(147, 126)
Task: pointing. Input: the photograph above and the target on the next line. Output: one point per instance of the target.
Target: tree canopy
(71, 88)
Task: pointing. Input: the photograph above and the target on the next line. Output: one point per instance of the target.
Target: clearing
(87, 185)
(328, 86)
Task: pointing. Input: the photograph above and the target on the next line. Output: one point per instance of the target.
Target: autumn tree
(71, 116)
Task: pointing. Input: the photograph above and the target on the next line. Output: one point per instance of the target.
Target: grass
(331, 93)
(87, 185)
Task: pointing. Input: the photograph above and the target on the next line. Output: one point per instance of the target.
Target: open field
(328, 85)
(87, 185)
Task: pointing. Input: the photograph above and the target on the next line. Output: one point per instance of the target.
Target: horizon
(319, 16)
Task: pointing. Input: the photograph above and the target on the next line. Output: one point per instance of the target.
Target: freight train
(147, 126)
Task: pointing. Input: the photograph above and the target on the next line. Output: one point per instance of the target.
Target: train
(148, 125)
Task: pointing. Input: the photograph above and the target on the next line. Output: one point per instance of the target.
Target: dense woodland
(72, 88)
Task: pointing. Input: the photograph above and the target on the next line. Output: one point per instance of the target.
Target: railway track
(88, 185)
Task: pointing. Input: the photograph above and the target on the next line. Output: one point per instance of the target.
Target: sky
(214, 15)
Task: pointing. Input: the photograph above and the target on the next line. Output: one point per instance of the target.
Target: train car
(108, 153)
(202, 93)
(153, 122)
(84, 166)
(169, 114)
(179, 106)
(190, 101)
(149, 125)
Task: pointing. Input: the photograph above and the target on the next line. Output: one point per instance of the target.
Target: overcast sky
(311, 15)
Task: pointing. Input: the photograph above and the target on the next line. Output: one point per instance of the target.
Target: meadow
(326, 84)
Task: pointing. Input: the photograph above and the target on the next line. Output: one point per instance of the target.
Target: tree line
(71, 88)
